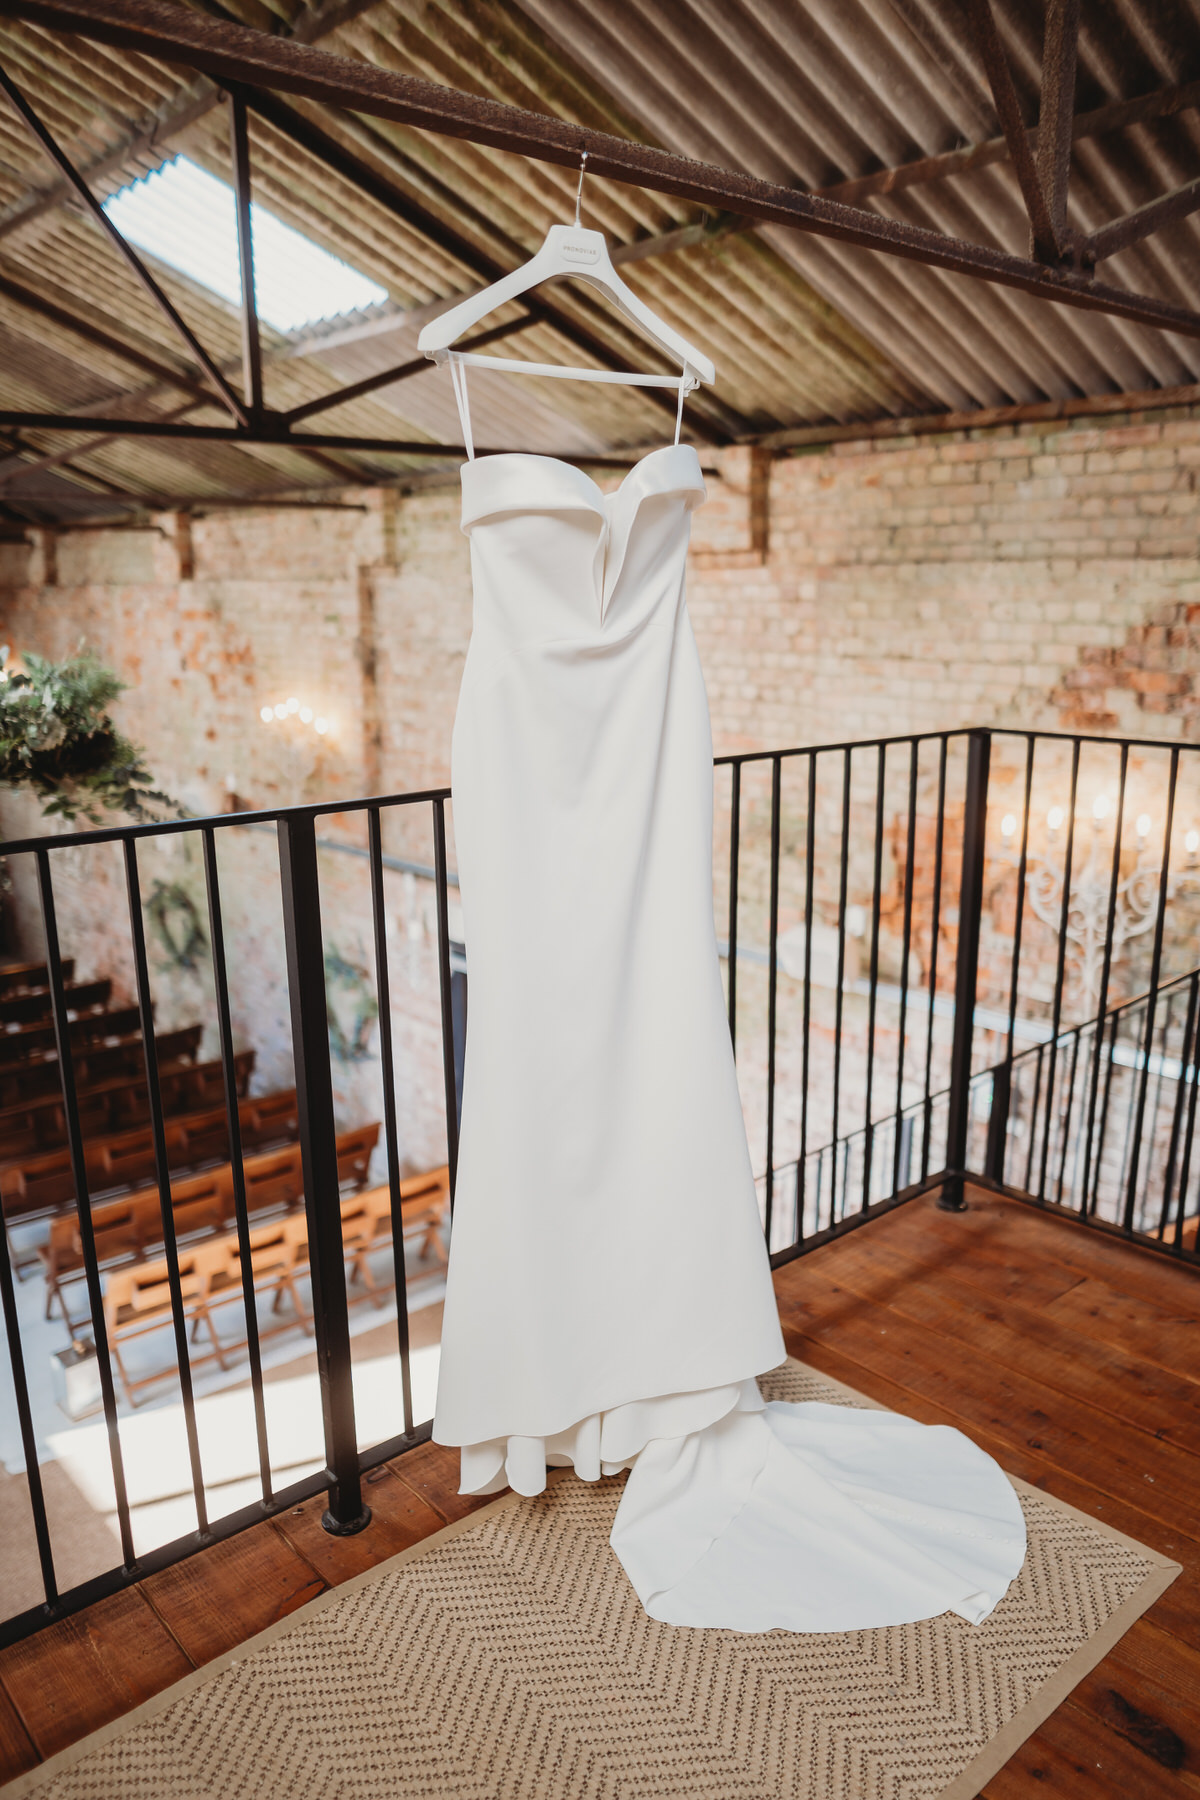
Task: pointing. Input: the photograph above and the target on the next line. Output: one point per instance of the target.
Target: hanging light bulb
(1055, 817)
(1008, 825)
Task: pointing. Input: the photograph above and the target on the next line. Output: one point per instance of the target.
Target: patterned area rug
(507, 1658)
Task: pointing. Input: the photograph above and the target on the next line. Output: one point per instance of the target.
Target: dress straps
(458, 379)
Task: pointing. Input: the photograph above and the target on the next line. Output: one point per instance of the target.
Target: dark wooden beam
(1047, 246)
(234, 53)
(1180, 204)
(1055, 119)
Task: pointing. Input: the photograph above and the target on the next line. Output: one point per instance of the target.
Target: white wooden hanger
(576, 251)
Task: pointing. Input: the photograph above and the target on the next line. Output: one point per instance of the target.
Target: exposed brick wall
(929, 582)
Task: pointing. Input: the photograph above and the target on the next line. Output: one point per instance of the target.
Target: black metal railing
(950, 957)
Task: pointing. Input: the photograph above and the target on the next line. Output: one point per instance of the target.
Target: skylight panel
(187, 219)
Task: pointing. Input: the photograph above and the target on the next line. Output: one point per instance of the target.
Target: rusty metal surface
(803, 330)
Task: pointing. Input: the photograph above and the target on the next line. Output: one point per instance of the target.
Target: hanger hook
(579, 190)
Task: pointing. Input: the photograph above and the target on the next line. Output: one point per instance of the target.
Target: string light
(293, 708)
(1192, 842)
(1055, 817)
(1144, 823)
(1008, 825)
(1100, 807)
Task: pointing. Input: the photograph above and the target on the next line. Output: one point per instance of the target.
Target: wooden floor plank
(216, 1600)
(76, 1675)
(432, 1473)
(1073, 1758)
(1147, 1690)
(399, 1519)
(943, 1297)
(1069, 1244)
(18, 1751)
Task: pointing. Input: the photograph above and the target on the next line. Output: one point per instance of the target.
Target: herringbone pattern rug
(507, 1658)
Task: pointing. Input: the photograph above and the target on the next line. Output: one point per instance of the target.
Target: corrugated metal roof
(803, 330)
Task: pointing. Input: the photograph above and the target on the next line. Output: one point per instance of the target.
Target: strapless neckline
(562, 462)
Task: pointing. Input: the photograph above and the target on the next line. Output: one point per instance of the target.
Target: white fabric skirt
(801, 1517)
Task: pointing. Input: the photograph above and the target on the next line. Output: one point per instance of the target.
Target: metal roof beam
(62, 458)
(1059, 48)
(239, 143)
(1048, 245)
(262, 434)
(179, 116)
(1179, 204)
(257, 432)
(1117, 115)
(58, 156)
(233, 52)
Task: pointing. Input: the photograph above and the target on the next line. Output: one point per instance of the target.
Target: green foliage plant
(57, 738)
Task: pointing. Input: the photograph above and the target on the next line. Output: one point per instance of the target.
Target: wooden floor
(1073, 1359)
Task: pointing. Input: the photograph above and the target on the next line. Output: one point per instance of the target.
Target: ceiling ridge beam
(234, 52)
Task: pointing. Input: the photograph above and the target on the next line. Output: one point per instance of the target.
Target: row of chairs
(43, 1182)
(15, 977)
(118, 1104)
(126, 1229)
(137, 1301)
(28, 1042)
(28, 1005)
(93, 1064)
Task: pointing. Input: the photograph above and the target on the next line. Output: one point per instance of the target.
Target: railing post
(997, 1137)
(970, 918)
(318, 1149)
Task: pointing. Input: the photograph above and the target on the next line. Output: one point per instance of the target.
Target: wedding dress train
(609, 1299)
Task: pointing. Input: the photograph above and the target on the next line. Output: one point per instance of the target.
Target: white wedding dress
(609, 1300)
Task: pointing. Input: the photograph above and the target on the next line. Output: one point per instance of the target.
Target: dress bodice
(554, 557)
